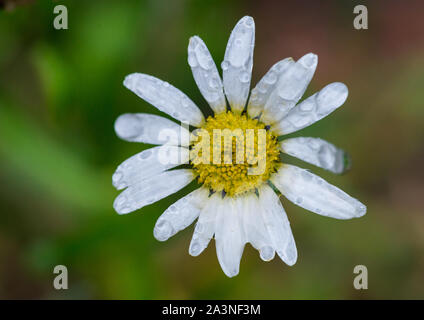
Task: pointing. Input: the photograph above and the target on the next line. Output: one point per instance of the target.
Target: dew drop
(213, 83)
(244, 77)
(224, 65)
(192, 61)
(267, 253)
(271, 78)
(195, 249)
(145, 154)
(249, 22)
(117, 176)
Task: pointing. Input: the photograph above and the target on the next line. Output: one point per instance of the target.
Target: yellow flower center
(234, 154)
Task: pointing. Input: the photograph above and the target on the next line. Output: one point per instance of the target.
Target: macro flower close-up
(235, 154)
(211, 158)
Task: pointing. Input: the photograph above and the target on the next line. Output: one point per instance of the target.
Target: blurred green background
(61, 90)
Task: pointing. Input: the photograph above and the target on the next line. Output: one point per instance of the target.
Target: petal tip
(309, 60)
(128, 80)
(163, 230)
(195, 249)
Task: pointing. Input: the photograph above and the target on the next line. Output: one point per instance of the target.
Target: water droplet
(145, 154)
(184, 102)
(200, 227)
(209, 64)
(249, 22)
(212, 97)
(121, 201)
(224, 65)
(163, 230)
(306, 105)
(125, 209)
(195, 249)
(271, 78)
(267, 253)
(192, 61)
(117, 176)
(213, 83)
(244, 77)
(306, 176)
(262, 89)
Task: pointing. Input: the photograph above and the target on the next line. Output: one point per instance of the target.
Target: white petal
(180, 214)
(290, 88)
(260, 94)
(205, 226)
(151, 129)
(278, 225)
(317, 152)
(206, 74)
(229, 236)
(254, 226)
(315, 194)
(238, 63)
(313, 108)
(147, 164)
(152, 189)
(165, 97)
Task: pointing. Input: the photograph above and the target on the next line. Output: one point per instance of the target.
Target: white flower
(245, 208)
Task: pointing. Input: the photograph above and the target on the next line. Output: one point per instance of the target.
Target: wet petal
(256, 231)
(165, 97)
(317, 152)
(205, 226)
(260, 94)
(315, 194)
(290, 88)
(151, 129)
(313, 109)
(206, 74)
(151, 190)
(229, 235)
(180, 214)
(278, 225)
(147, 164)
(238, 63)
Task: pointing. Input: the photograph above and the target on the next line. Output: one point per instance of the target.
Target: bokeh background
(61, 90)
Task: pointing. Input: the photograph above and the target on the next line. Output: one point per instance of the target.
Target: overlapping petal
(151, 190)
(312, 109)
(278, 225)
(206, 74)
(290, 88)
(165, 97)
(205, 226)
(229, 235)
(147, 164)
(261, 93)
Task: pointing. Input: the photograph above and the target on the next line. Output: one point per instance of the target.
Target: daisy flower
(237, 201)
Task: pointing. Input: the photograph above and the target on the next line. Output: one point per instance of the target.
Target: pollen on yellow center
(234, 154)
